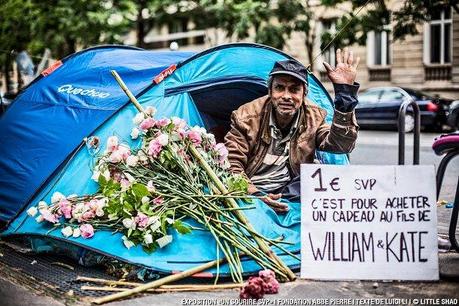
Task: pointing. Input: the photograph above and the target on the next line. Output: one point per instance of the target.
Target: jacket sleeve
(340, 137)
(238, 149)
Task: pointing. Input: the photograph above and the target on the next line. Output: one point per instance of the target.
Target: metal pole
(401, 131)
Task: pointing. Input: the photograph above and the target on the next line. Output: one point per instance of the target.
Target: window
(437, 38)
(391, 96)
(371, 96)
(378, 49)
(328, 29)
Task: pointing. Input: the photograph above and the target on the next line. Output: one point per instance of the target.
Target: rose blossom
(87, 231)
(163, 139)
(48, 216)
(57, 196)
(32, 211)
(158, 200)
(154, 148)
(141, 220)
(124, 151)
(163, 122)
(150, 186)
(195, 137)
(253, 289)
(66, 208)
(112, 143)
(222, 152)
(132, 160)
(147, 124)
(135, 133)
(116, 157)
(150, 110)
(138, 118)
(67, 231)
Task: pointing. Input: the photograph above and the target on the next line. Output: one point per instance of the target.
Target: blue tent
(42, 134)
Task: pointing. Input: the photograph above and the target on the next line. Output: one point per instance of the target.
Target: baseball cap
(291, 67)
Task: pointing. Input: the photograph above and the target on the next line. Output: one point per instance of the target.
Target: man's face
(287, 94)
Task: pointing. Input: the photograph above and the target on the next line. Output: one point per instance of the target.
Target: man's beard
(285, 108)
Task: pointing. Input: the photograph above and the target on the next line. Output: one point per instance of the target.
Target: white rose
(148, 239)
(32, 211)
(142, 156)
(39, 219)
(145, 200)
(150, 110)
(116, 157)
(135, 133)
(155, 226)
(129, 177)
(67, 231)
(42, 205)
(163, 139)
(150, 186)
(127, 243)
(138, 118)
(106, 174)
(57, 196)
(132, 160)
(76, 232)
(95, 175)
(99, 212)
(163, 241)
(129, 223)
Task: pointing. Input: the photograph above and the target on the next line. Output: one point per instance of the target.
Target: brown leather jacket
(248, 139)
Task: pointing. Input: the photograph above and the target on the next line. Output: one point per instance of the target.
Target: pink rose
(124, 151)
(87, 231)
(141, 220)
(271, 285)
(116, 157)
(154, 148)
(253, 289)
(158, 201)
(222, 152)
(163, 122)
(112, 143)
(48, 216)
(147, 124)
(66, 208)
(195, 137)
(178, 123)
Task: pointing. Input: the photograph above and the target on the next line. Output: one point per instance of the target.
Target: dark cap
(291, 67)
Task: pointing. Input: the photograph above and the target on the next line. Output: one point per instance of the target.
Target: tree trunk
(141, 31)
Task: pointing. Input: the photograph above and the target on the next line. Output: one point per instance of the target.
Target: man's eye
(279, 87)
(294, 89)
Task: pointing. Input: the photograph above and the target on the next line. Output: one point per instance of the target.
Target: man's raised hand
(346, 68)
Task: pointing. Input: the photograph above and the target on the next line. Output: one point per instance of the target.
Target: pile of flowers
(148, 191)
(257, 286)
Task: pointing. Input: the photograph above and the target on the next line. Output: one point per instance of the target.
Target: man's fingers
(345, 55)
(339, 59)
(275, 196)
(275, 205)
(328, 67)
(351, 58)
(356, 62)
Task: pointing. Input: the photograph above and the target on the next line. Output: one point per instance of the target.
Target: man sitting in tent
(271, 136)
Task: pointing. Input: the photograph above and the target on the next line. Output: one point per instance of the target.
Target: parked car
(378, 107)
(453, 117)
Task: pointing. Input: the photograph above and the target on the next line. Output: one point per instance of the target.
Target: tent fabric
(42, 149)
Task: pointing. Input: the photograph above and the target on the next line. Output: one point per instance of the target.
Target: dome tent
(43, 132)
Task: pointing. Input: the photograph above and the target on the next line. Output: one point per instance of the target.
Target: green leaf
(181, 227)
(140, 190)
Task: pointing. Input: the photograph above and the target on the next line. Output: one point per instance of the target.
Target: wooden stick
(157, 283)
(127, 91)
(171, 288)
(134, 284)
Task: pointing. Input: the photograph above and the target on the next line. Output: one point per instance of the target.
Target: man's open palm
(346, 68)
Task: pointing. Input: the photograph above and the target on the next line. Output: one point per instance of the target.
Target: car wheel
(409, 123)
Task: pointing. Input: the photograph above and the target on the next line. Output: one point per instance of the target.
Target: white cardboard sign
(368, 222)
